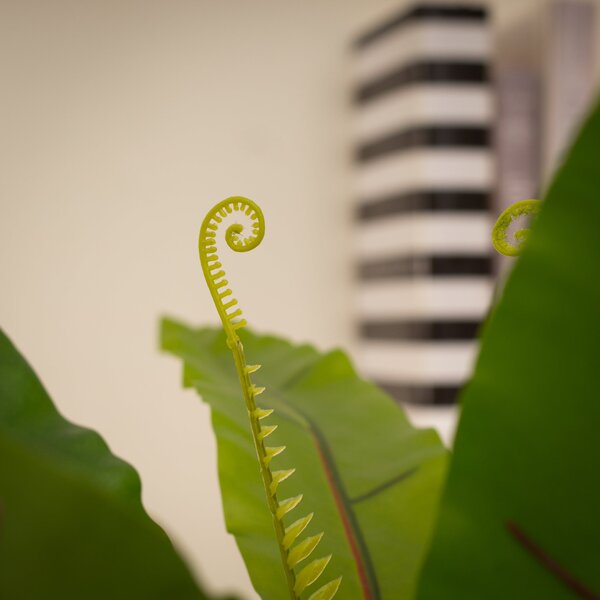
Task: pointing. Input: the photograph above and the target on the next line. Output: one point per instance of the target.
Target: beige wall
(122, 122)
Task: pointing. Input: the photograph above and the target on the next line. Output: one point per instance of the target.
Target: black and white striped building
(424, 163)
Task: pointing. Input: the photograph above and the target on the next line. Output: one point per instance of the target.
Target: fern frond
(310, 573)
(295, 529)
(287, 505)
(266, 431)
(303, 549)
(242, 239)
(328, 591)
(500, 233)
(262, 413)
(256, 390)
(278, 477)
(270, 452)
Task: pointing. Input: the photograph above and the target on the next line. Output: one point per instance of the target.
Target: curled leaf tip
(501, 238)
(239, 237)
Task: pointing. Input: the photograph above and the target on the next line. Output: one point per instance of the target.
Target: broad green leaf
(72, 525)
(371, 480)
(520, 516)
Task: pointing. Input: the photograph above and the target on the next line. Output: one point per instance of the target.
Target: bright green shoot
(500, 233)
(231, 317)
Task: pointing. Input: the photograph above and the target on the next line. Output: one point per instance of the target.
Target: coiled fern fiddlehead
(240, 240)
(500, 233)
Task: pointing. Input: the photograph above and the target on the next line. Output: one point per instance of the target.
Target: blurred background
(381, 138)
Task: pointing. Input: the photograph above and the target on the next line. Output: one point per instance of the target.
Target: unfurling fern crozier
(241, 239)
(500, 233)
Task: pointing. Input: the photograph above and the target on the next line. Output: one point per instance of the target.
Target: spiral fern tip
(501, 238)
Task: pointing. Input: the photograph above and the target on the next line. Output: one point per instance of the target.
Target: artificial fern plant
(297, 578)
(515, 516)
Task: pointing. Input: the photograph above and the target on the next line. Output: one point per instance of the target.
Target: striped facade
(423, 105)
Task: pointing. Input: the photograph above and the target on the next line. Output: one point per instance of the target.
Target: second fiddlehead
(242, 239)
(500, 233)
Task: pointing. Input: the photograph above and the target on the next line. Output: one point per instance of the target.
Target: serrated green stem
(265, 472)
(232, 321)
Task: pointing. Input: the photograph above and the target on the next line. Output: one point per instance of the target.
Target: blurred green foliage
(72, 525)
(520, 516)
